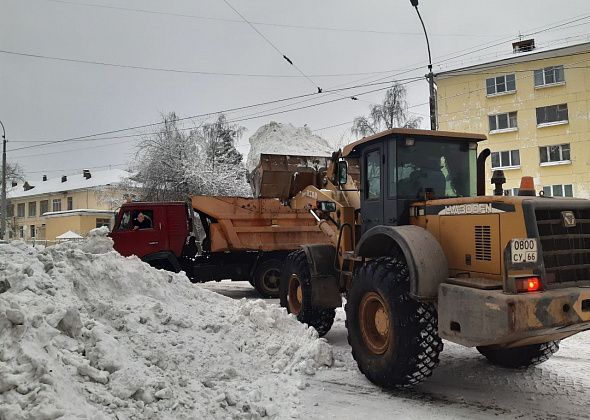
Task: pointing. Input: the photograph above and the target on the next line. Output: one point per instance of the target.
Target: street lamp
(430, 75)
(4, 175)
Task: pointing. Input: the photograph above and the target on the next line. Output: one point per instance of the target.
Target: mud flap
(325, 292)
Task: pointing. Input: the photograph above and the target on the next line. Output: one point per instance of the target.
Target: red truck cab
(160, 237)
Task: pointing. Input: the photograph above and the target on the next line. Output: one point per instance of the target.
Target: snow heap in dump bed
(87, 333)
(284, 139)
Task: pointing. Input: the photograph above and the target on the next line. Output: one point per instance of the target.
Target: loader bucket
(283, 176)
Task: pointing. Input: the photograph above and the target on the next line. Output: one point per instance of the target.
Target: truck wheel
(520, 357)
(393, 337)
(295, 294)
(267, 278)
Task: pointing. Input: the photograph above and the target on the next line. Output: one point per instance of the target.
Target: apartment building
(534, 108)
(48, 207)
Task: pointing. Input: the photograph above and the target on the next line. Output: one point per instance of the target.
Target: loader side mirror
(327, 206)
(342, 172)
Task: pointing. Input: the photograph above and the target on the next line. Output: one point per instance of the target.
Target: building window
(56, 204)
(501, 84)
(555, 154)
(10, 211)
(20, 210)
(506, 121)
(559, 190)
(70, 203)
(549, 76)
(44, 204)
(33, 209)
(552, 114)
(32, 230)
(21, 232)
(506, 159)
(103, 222)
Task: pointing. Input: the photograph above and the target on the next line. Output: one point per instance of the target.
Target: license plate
(523, 251)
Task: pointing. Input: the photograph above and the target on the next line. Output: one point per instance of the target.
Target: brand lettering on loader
(471, 208)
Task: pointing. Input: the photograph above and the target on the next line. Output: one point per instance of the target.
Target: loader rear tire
(267, 278)
(295, 294)
(394, 338)
(520, 357)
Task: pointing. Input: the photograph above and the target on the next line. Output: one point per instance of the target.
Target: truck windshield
(443, 168)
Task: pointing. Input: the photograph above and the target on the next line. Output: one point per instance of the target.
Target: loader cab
(402, 166)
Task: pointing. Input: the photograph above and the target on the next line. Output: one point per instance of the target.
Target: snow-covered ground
(87, 333)
(465, 385)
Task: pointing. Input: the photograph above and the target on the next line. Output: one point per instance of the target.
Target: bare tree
(14, 172)
(113, 196)
(177, 162)
(392, 112)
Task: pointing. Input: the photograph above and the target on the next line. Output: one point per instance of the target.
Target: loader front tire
(393, 337)
(519, 357)
(295, 294)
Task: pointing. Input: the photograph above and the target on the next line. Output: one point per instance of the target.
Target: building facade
(47, 208)
(534, 108)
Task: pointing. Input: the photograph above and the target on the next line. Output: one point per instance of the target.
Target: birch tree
(391, 113)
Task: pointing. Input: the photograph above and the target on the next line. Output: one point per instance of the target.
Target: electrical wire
(182, 71)
(91, 136)
(269, 42)
(238, 119)
(279, 25)
(255, 105)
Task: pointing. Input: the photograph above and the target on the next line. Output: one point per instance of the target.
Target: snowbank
(284, 139)
(87, 333)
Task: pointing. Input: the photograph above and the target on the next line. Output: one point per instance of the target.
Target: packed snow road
(464, 385)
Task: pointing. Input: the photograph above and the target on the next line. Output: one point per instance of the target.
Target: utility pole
(4, 175)
(430, 75)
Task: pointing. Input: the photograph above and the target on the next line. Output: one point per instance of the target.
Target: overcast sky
(335, 43)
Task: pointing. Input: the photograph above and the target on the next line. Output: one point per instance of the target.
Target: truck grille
(566, 250)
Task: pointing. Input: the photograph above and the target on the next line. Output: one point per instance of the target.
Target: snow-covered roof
(69, 235)
(73, 182)
(538, 53)
(79, 212)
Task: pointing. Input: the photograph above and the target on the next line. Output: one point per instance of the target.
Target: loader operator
(426, 175)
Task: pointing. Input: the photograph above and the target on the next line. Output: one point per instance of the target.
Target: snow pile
(284, 139)
(87, 333)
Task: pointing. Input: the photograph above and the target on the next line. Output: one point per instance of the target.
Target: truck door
(372, 190)
(138, 231)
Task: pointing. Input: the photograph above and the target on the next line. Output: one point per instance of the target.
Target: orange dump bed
(256, 224)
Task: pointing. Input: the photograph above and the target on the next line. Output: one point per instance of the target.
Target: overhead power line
(74, 170)
(275, 101)
(92, 137)
(272, 24)
(528, 34)
(237, 119)
(269, 42)
(182, 71)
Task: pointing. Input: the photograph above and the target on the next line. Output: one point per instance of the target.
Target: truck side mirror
(342, 172)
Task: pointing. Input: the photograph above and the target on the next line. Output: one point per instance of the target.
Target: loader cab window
(373, 165)
(446, 169)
